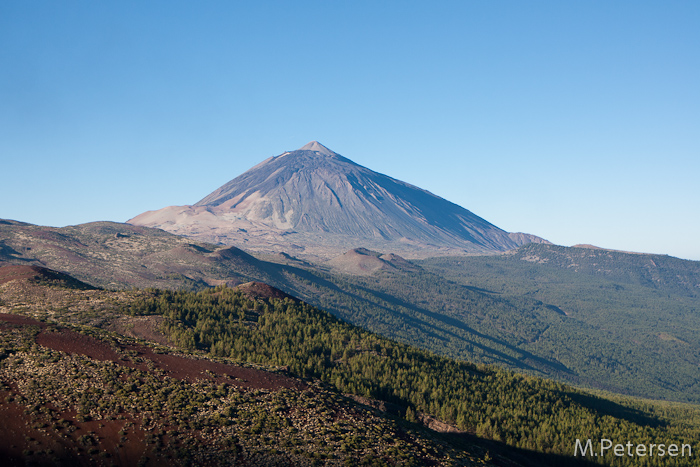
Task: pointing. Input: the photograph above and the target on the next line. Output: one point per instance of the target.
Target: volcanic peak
(317, 147)
(314, 200)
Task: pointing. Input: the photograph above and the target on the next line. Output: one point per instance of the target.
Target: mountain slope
(76, 395)
(107, 254)
(621, 322)
(628, 321)
(315, 201)
(314, 391)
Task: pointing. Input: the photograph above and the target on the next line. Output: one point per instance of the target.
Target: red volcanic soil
(73, 342)
(9, 319)
(22, 272)
(28, 437)
(26, 443)
(15, 272)
(189, 369)
(175, 366)
(261, 290)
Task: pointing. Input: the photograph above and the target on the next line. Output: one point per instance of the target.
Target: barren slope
(313, 201)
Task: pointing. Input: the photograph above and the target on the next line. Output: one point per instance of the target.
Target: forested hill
(74, 390)
(526, 412)
(629, 320)
(609, 320)
(73, 393)
(661, 272)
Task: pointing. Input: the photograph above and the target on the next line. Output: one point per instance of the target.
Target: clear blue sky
(578, 121)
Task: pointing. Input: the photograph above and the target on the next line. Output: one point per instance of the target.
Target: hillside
(658, 272)
(630, 319)
(40, 275)
(73, 394)
(315, 203)
(274, 381)
(112, 255)
(615, 322)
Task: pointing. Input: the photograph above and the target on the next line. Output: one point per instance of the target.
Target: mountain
(315, 202)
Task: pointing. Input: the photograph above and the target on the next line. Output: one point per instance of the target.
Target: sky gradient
(576, 121)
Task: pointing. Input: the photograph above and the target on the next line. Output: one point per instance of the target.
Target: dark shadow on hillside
(528, 361)
(523, 360)
(279, 275)
(479, 289)
(285, 283)
(429, 329)
(554, 308)
(608, 407)
(8, 253)
(509, 456)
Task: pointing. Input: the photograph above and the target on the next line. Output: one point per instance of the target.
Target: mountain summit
(313, 201)
(317, 147)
